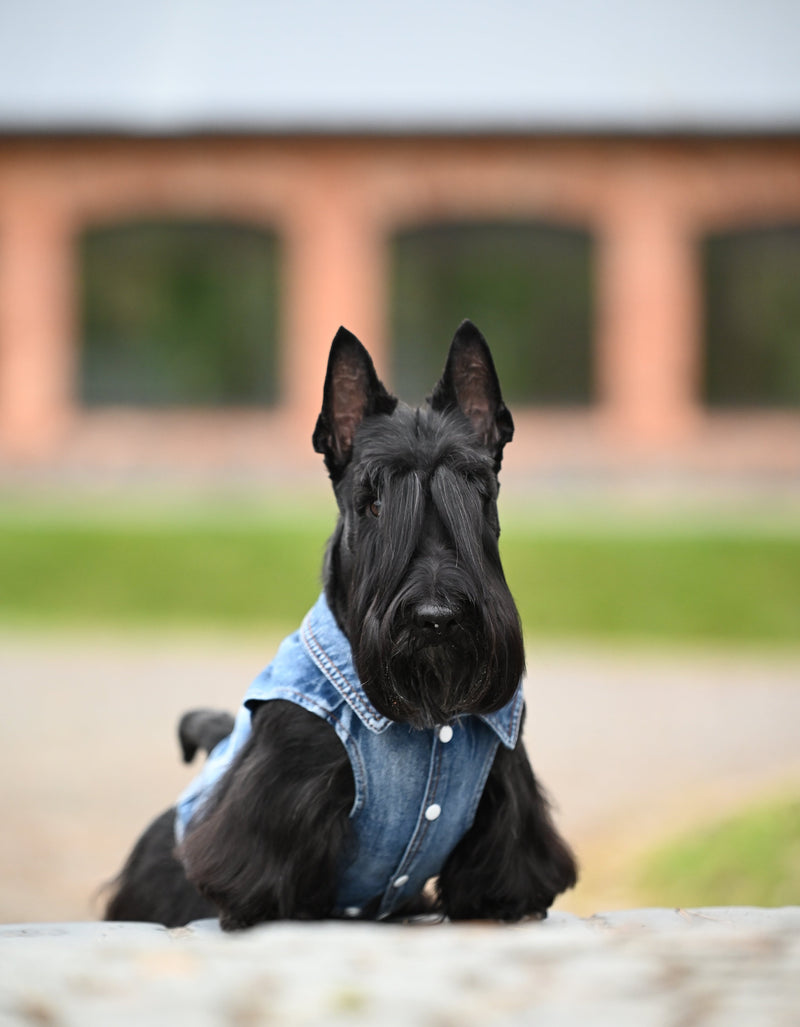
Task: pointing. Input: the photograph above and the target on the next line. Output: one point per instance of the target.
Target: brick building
(654, 149)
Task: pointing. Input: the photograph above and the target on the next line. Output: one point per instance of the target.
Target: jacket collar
(328, 647)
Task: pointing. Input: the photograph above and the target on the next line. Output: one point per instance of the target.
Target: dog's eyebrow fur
(461, 512)
(433, 461)
(403, 513)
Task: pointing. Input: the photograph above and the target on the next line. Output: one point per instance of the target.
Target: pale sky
(165, 64)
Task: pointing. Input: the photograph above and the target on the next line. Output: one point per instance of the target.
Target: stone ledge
(723, 918)
(721, 966)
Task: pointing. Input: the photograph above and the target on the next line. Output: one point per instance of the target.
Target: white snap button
(445, 733)
(400, 881)
(353, 911)
(433, 811)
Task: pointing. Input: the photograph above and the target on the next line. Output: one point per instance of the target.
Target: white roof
(163, 66)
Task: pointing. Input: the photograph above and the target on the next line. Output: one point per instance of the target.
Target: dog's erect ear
(352, 392)
(470, 383)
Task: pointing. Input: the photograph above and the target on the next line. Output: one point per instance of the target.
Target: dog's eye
(375, 507)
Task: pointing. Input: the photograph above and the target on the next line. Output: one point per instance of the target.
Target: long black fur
(413, 576)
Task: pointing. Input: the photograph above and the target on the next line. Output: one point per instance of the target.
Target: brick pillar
(36, 325)
(648, 331)
(334, 275)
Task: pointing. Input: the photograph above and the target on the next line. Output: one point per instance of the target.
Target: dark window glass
(752, 322)
(526, 286)
(179, 314)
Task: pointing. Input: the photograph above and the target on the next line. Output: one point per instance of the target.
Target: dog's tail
(202, 729)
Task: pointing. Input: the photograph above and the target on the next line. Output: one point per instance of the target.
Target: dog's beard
(432, 684)
(411, 680)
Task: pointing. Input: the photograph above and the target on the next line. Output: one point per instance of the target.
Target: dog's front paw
(504, 908)
(517, 883)
(233, 922)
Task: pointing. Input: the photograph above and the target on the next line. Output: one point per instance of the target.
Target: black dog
(381, 748)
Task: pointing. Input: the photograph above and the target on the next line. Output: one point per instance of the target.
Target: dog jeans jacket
(416, 791)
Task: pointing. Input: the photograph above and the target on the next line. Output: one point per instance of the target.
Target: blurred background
(195, 195)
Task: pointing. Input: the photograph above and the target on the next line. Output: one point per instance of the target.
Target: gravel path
(631, 747)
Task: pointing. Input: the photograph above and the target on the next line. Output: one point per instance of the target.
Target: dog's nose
(435, 620)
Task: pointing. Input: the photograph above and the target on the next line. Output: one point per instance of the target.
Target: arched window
(752, 317)
(178, 314)
(527, 286)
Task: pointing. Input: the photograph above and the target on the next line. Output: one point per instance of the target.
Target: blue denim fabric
(416, 791)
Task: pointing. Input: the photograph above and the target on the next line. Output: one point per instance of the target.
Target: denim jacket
(416, 791)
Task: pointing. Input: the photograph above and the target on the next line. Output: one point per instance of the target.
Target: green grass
(165, 575)
(247, 572)
(657, 585)
(752, 859)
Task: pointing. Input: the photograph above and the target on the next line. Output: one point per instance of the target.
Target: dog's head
(413, 573)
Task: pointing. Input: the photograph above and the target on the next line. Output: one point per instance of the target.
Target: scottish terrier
(375, 769)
